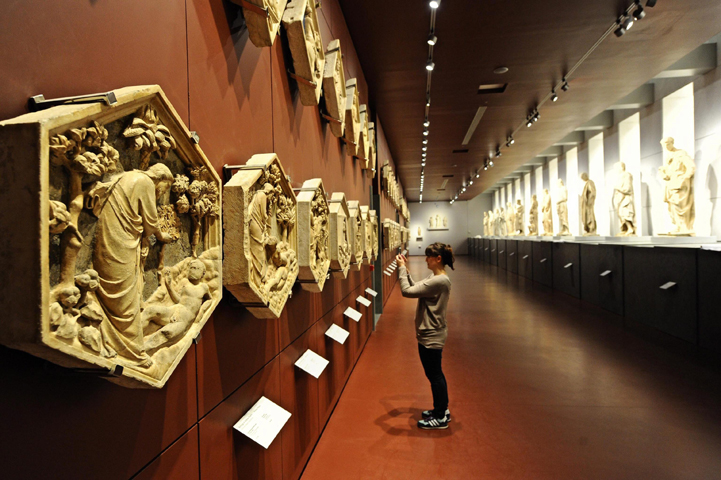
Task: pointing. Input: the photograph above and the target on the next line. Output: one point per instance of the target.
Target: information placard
(387, 273)
(337, 333)
(312, 363)
(371, 292)
(263, 422)
(353, 314)
(363, 301)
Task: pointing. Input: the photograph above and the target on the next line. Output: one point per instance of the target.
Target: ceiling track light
(432, 39)
(639, 13)
(554, 97)
(498, 152)
(510, 141)
(425, 132)
(430, 65)
(434, 4)
(565, 86)
(624, 25)
(651, 3)
(490, 163)
(424, 148)
(427, 123)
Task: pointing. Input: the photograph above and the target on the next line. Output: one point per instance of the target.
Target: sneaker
(432, 423)
(429, 413)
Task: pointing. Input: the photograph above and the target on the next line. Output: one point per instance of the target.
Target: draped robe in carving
(126, 211)
(623, 200)
(678, 194)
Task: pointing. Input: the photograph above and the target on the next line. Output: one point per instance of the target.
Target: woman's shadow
(392, 421)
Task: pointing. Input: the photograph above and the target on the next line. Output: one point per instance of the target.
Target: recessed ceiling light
(500, 70)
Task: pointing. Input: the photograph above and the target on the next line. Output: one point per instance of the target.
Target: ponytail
(445, 252)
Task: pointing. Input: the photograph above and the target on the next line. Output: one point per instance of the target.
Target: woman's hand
(401, 260)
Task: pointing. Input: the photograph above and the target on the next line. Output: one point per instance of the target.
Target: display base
(661, 240)
(554, 238)
(589, 238)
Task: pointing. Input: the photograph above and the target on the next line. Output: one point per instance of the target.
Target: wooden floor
(541, 386)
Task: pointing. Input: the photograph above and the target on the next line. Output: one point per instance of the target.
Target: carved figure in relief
(519, 217)
(63, 314)
(562, 209)
(187, 305)
(419, 232)
(203, 194)
(438, 222)
(588, 203)
(258, 229)
(445, 221)
(283, 261)
(127, 216)
(547, 211)
(510, 219)
(533, 217)
(320, 237)
(359, 237)
(344, 247)
(677, 173)
(313, 42)
(432, 222)
(623, 201)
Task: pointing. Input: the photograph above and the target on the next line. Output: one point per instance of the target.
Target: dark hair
(445, 252)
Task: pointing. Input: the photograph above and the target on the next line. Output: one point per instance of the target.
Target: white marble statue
(623, 202)
(485, 224)
(677, 173)
(503, 222)
(510, 219)
(588, 202)
(562, 209)
(520, 210)
(533, 217)
(547, 211)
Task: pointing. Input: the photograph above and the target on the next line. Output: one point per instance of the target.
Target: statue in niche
(533, 217)
(623, 201)
(485, 224)
(510, 219)
(562, 209)
(519, 217)
(677, 173)
(588, 203)
(547, 211)
(503, 223)
(497, 223)
(306, 47)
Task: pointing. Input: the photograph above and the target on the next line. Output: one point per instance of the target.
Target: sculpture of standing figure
(485, 224)
(519, 217)
(677, 172)
(562, 209)
(623, 201)
(503, 223)
(588, 202)
(438, 222)
(431, 222)
(497, 219)
(533, 217)
(547, 214)
(510, 219)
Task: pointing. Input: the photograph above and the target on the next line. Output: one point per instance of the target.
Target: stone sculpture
(562, 209)
(362, 151)
(334, 90)
(313, 236)
(497, 223)
(306, 47)
(372, 159)
(677, 173)
(623, 202)
(115, 244)
(262, 18)
(356, 234)
(547, 214)
(340, 235)
(419, 232)
(445, 221)
(510, 219)
(533, 217)
(503, 222)
(588, 203)
(518, 230)
(352, 117)
(387, 234)
(374, 234)
(261, 242)
(367, 234)
(485, 224)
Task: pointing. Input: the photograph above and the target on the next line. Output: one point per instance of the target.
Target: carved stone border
(374, 230)
(340, 236)
(367, 230)
(334, 90)
(356, 223)
(262, 18)
(352, 117)
(372, 154)
(363, 148)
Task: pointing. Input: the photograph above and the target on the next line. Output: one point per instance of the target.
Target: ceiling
(538, 41)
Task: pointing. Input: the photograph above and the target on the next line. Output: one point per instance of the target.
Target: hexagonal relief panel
(340, 236)
(313, 235)
(367, 234)
(334, 91)
(352, 117)
(356, 234)
(306, 46)
(262, 17)
(260, 221)
(113, 215)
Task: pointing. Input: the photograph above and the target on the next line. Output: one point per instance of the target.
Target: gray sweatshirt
(432, 294)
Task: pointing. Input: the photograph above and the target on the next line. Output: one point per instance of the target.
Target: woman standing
(431, 329)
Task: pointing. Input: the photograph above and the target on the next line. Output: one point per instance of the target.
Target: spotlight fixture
(427, 123)
(490, 163)
(529, 122)
(510, 141)
(485, 167)
(424, 154)
(425, 141)
(537, 116)
(424, 148)
(434, 4)
(554, 97)
(498, 152)
(639, 13)
(470, 182)
(432, 39)
(425, 132)
(623, 26)
(428, 100)
(478, 174)
(565, 86)
(651, 3)
(430, 65)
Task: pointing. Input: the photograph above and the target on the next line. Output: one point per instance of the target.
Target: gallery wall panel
(179, 462)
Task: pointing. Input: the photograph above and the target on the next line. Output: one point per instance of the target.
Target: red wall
(60, 425)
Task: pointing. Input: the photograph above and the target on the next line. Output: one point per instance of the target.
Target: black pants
(431, 360)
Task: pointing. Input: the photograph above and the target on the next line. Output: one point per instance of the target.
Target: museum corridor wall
(66, 424)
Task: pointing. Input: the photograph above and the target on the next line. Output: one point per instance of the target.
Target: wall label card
(371, 292)
(263, 422)
(606, 273)
(312, 363)
(353, 314)
(337, 333)
(387, 273)
(363, 301)
(568, 265)
(667, 285)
